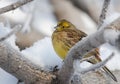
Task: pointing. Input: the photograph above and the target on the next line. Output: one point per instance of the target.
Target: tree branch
(15, 29)
(78, 71)
(76, 79)
(103, 13)
(16, 64)
(14, 6)
(96, 66)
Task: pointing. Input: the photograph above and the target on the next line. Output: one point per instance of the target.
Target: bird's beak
(55, 27)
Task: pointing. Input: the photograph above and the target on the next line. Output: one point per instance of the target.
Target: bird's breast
(59, 46)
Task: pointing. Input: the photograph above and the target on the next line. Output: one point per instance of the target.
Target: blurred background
(39, 18)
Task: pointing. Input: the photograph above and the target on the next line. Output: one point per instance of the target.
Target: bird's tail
(108, 72)
(98, 59)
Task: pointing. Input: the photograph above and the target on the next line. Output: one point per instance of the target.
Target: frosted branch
(76, 79)
(96, 66)
(14, 6)
(15, 30)
(16, 64)
(103, 13)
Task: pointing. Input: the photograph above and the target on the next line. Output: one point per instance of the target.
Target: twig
(15, 29)
(76, 79)
(103, 13)
(97, 66)
(14, 6)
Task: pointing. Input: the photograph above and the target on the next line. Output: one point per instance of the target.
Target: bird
(66, 35)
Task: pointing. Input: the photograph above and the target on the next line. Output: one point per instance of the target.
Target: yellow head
(62, 25)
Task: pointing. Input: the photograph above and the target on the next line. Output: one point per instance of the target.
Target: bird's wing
(73, 36)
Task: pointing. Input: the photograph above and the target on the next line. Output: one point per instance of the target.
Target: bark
(103, 13)
(14, 6)
(16, 64)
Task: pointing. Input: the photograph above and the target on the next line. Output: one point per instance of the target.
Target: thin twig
(98, 65)
(14, 6)
(15, 29)
(76, 79)
(103, 13)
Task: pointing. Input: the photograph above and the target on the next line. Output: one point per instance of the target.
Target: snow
(11, 40)
(105, 51)
(6, 78)
(43, 54)
(111, 35)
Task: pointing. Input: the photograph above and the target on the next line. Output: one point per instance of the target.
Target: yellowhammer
(66, 35)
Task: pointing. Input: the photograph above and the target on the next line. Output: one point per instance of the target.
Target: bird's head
(63, 25)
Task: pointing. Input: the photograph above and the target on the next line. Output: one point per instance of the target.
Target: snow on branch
(16, 64)
(14, 6)
(76, 79)
(15, 29)
(103, 13)
(96, 66)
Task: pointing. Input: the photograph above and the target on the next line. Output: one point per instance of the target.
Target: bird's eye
(63, 27)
